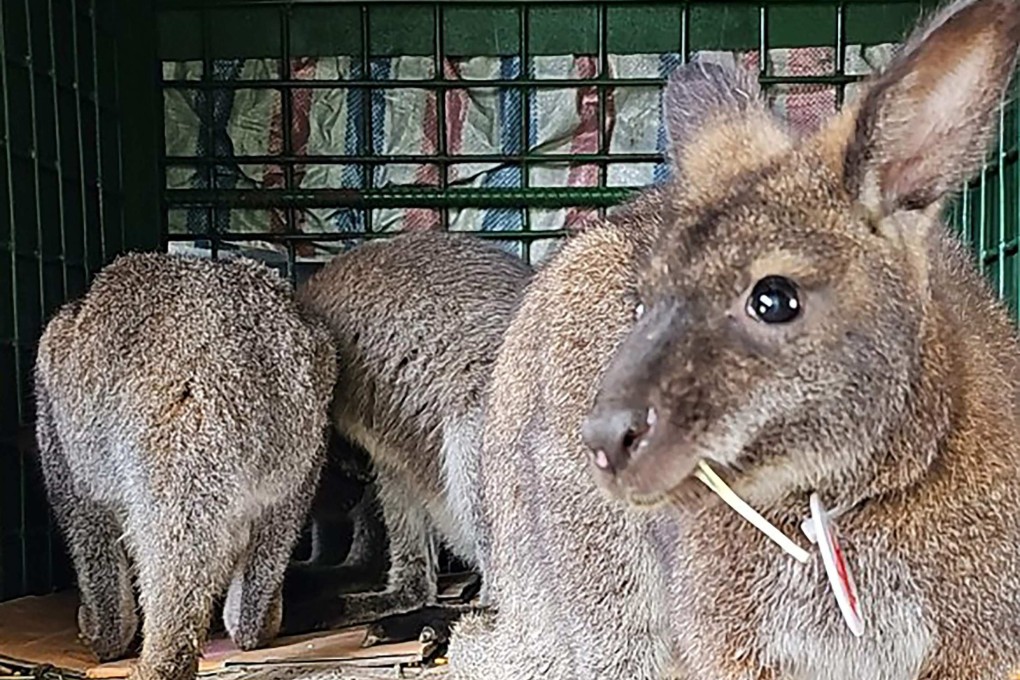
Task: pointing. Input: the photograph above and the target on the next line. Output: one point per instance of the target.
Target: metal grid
(282, 33)
(987, 211)
(76, 189)
(61, 218)
(70, 173)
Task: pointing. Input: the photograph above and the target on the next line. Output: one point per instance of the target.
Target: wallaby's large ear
(716, 121)
(924, 125)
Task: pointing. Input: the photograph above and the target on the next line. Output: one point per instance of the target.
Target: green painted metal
(78, 184)
(66, 181)
(204, 31)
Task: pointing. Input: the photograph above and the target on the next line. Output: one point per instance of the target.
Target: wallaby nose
(614, 434)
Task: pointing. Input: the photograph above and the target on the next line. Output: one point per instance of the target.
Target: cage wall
(295, 129)
(77, 186)
(290, 130)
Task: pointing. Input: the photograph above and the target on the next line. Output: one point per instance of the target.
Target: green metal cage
(253, 126)
(75, 181)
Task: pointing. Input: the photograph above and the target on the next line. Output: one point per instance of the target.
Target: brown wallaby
(574, 579)
(417, 319)
(811, 327)
(577, 580)
(182, 408)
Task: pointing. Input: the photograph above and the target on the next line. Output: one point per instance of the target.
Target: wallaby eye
(639, 311)
(773, 300)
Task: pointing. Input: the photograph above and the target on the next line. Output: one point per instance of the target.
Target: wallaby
(812, 331)
(182, 411)
(417, 320)
(573, 579)
(577, 581)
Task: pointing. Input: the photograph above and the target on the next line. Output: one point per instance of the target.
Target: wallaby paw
(344, 611)
(108, 640)
(429, 625)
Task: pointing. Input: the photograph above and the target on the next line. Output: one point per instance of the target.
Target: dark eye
(774, 300)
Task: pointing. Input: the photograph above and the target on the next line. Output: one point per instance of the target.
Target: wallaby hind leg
(411, 581)
(107, 615)
(253, 612)
(413, 559)
(184, 563)
(368, 545)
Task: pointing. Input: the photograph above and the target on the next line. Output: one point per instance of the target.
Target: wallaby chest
(758, 613)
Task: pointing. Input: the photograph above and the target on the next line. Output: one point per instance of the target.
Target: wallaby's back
(418, 319)
(181, 414)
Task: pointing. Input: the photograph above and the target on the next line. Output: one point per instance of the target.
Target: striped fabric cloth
(477, 120)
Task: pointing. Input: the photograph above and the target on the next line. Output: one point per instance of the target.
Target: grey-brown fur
(577, 580)
(182, 412)
(892, 393)
(574, 579)
(417, 320)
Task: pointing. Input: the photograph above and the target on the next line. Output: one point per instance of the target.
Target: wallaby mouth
(634, 458)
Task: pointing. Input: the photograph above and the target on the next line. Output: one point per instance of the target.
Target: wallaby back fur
(575, 579)
(182, 412)
(810, 326)
(417, 320)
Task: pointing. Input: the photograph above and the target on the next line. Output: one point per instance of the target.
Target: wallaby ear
(716, 121)
(924, 125)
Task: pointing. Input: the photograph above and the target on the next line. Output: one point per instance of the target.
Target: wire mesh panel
(294, 129)
(62, 205)
(987, 211)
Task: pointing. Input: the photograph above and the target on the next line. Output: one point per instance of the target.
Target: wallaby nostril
(633, 437)
(630, 439)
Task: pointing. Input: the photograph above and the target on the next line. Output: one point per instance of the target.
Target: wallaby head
(792, 316)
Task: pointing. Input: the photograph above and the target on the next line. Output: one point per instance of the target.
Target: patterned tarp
(478, 120)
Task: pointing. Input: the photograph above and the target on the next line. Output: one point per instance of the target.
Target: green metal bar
(982, 219)
(341, 236)
(196, 4)
(403, 197)
(533, 158)
(100, 184)
(1001, 238)
(206, 113)
(79, 128)
(120, 148)
(287, 117)
(525, 94)
(840, 52)
(685, 33)
(603, 72)
(12, 248)
(366, 109)
(34, 153)
(41, 300)
(966, 226)
(440, 76)
(58, 169)
(432, 84)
